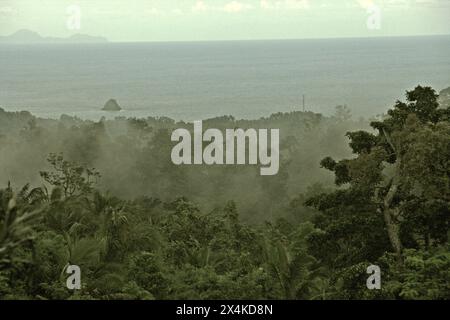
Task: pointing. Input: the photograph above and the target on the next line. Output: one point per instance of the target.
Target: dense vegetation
(105, 196)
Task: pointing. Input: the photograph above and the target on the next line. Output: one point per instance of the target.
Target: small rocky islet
(111, 105)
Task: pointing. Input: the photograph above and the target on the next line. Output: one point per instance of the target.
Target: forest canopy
(349, 194)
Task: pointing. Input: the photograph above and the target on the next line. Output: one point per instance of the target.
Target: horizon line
(211, 40)
(285, 39)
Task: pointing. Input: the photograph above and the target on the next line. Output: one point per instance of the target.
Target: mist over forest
(133, 157)
(351, 193)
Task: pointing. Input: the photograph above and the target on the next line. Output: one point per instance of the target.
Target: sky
(203, 20)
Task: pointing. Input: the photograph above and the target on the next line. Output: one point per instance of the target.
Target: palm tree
(289, 263)
(15, 224)
(115, 232)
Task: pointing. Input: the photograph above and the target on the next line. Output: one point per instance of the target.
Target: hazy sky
(167, 20)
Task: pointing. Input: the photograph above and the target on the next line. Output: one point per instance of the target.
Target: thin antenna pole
(303, 103)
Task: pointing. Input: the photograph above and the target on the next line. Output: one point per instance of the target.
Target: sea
(200, 80)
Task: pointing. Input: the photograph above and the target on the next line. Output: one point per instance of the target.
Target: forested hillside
(350, 193)
(133, 157)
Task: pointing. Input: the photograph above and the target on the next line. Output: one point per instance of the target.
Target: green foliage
(148, 249)
(424, 275)
(73, 179)
(170, 232)
(396, 200)
(15, 229)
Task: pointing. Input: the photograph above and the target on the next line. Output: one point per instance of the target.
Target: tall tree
(406, 162)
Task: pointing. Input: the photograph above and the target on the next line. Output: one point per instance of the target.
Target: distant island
(28, 36)
(111, 105)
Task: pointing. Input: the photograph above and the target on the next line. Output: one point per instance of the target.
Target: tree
(404, 164)
(290, 264)
(74, 180)
(392, 196)
(15, 225)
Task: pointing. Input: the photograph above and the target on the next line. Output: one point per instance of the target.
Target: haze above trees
(105, 196)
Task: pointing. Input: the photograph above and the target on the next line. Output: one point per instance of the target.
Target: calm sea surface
(247, 79)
